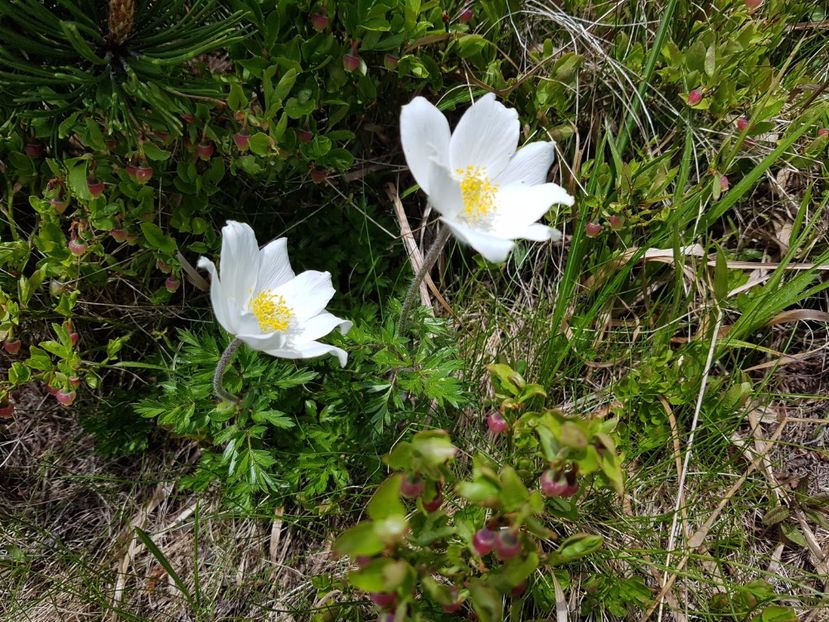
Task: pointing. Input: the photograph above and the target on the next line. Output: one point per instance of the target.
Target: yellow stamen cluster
(271, 311)
(478, 193)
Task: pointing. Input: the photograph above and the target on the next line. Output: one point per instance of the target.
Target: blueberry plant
(437, 542)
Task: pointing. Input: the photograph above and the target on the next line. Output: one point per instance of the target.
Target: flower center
(271, 311)
(478, 193)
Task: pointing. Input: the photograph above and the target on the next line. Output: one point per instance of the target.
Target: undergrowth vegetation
(626, 423)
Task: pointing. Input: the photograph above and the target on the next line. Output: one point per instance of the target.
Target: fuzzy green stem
(224, 359)
(428, 262)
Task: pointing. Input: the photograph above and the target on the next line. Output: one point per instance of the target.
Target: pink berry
(465, 15)
(172, 284)
(496, 423)
(75, 381)
(434, 504)
(304, 136)
(724, 183)
(518, 590)
(7, 411)
(205, 151)
(363, 560)
(76, 247)
(319, 176)
(59, 205)
(383, 599)
(12, 347)
(132, 238)
(74, 338)
(119, 235)
(742, 124)
(507, 544)
(824, 131)
(592, 229)
(552, 484)
(412, 486)
(139, 174)
(616, 222)
(242, 140)
(33, 150)
(753, 4)
(188, 118)
(351, 62)
(163, 266)
(319, 21)
(483, 541)
(96, 188)
(694, 97)
(390, 62)
(65, 398)
(452, 607)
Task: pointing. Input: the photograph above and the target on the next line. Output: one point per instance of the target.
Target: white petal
(446, 195)
(529, 165)
(307, 294)
(520, 206)
(424, 133)
(224, 314)
(540, 233)
(319, 326)
(486, 136)
(310, 349)
(274, 265)
(264, 341)
(239, 263)
(491, 248)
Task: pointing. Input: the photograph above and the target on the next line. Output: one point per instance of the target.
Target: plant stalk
(224, 359)
(428, 262)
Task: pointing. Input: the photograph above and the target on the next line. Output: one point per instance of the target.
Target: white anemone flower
(487, 192)
(258, 299)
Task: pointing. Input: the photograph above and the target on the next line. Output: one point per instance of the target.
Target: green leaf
(386, 500)
(19, 374)
(711, 59)
(156, 239)
(575, 547)
(154, 152)
(776, 613)
(165, 563)
(486, 602)
(513, 492)
(260, 144)
(775, 515)
(359, 540)
(237, 100)
(77, 178)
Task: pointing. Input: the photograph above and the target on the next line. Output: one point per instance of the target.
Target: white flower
(257, 298)
(487, 193)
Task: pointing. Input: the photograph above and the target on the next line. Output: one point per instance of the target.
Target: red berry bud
(390, 62)
(383, 599)
(74, 337)
(119, 235)
(318, 176)
(507, 544)
(65, 398)
(351, 62)
(242, 140)
(76, 247)
(33, 150)
(412, 486)
(496, 423)
(824, 131)
(304, 136)
(96, 188)
(724, 183)
(75, 381)
(172, 284)
(592, 229)
(694, 97)
(12, 347)
(483, 541)
(205, 151)
(319, 21)
(518, 590)
(139, 174)
(59, 205)
(7, 411)
(187, 118)
(465, 15)
(742, 124)
(753, 4)
(616, 222)
(434, 504)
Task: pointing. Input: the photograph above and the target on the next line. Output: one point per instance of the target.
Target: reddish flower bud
(59, 205)
(33, 150)
(518, 590)
(242, 140)
(496, 423)
(164, 267)
(363, 560)
(319, 21)
(351, 62)
(205, 151)
(824, 131)
(96, 188)
(434, 504)
(139, 174)
(383, 599)
(304, 136)
(74, 338)
(694, 97)
(65, 398)
(76, 247)
(507, 544)
(7, 411)
(753, 4)
(412, 486)
(466, 15)
(119, 235)
(188, 118)
(75, 381)
(445, 17)
(318, 176)
(483, 541)
(616, 222)
(592, 229)
(742, 124)
(390, 62)
(12, 347)
(558, 484)
(172, 284)
(724, 183)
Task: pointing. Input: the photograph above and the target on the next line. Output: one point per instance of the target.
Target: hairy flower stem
(428, 262)
(218, 389)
